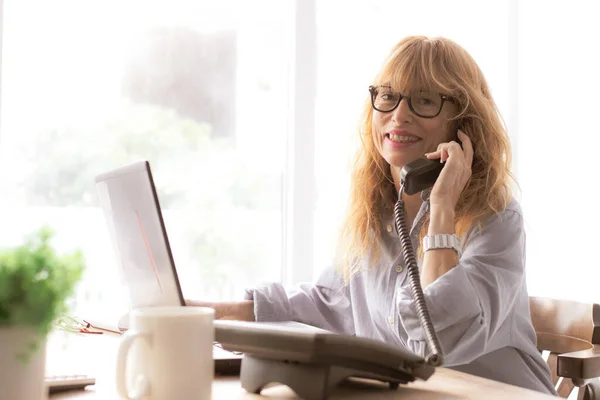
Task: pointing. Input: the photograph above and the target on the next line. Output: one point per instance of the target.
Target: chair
(570, 331)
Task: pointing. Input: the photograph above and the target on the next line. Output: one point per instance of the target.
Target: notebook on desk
(134, 218)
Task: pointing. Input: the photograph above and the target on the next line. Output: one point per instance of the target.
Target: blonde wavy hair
(438, 64)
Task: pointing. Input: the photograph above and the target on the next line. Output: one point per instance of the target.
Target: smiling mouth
(402, 138)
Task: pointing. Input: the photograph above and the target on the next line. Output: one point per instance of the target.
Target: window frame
(299, 183)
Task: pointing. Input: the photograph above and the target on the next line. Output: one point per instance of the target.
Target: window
(198, 88)
(558, 136)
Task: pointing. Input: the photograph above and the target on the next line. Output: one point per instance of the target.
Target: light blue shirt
(479, 309)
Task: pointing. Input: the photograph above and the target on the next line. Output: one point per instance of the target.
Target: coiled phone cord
(435, 358)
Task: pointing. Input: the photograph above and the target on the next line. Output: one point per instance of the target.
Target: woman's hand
(443, 199)
(239, 310)
(455, 174)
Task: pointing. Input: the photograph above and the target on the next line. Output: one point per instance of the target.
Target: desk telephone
(312, 363)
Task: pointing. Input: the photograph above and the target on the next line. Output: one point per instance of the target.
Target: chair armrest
(584, 364)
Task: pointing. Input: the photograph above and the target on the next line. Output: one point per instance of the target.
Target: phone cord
(435, 358)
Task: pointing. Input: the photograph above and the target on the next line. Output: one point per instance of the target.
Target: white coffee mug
(175, 358)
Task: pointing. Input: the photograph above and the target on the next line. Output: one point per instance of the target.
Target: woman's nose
(402, 112)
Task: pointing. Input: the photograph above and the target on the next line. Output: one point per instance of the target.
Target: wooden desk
(444, 384)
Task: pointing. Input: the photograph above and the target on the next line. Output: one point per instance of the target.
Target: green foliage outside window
(225, 199)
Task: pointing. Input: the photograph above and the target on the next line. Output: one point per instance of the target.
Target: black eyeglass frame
(373, 92)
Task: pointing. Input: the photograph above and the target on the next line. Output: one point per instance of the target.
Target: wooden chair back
(564, 326)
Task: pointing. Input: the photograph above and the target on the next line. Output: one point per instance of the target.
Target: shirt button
(389, 228)
(390, 319)
(399, 268)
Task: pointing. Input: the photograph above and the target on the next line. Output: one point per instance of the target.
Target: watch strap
(442, 241)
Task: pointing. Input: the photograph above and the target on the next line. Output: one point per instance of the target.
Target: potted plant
(35, 283)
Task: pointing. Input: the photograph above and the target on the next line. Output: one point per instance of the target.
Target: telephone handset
(422, 173)
(416, 176)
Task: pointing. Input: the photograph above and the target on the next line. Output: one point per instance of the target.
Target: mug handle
(141, 386)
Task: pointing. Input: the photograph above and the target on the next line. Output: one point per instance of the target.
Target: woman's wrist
(441, 220)
(237, 310)
(246, 312)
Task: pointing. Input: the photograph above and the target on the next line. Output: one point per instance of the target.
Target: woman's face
(402, 137)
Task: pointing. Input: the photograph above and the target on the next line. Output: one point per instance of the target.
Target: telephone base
(309, 381)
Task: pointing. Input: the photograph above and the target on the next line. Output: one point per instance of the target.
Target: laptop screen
(128, 198)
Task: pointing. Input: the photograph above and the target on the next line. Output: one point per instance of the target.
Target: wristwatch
(442, 241)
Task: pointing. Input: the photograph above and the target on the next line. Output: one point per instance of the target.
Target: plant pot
(23, 380)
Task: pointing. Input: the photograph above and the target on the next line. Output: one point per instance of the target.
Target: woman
(429, 93)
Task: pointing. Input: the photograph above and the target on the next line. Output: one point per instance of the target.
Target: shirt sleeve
(470, 302)
(324, 304)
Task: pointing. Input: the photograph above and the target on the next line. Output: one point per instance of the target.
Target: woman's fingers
(441, 154)
(443, 150)
(445, 153)
(458, 155)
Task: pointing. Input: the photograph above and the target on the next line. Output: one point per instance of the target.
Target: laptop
(136, 227)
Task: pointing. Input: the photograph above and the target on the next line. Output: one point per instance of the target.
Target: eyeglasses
(71, 324)
(424, 104)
